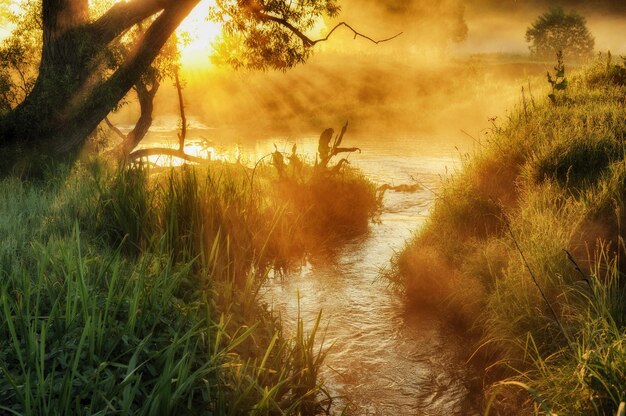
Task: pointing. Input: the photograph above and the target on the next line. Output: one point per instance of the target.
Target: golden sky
(201, 34)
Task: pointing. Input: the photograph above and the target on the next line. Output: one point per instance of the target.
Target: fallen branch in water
(166, 151)
(327, 151)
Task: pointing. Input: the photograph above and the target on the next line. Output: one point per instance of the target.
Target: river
(383, 359)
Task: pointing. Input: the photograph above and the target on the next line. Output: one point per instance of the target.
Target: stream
(383, 359)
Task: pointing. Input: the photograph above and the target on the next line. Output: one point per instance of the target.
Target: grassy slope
(136, 294)
(551, 179)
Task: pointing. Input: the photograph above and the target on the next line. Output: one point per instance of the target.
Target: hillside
(525, 248)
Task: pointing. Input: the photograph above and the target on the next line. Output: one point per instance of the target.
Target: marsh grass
(539, 209)
(136, 292)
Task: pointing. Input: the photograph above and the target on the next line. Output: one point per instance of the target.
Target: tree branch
(115, 129)
(136, 135)
(166, 151)
(266, 17)
(308, 42)
(356, 34)
(123, 15)
(183, 119)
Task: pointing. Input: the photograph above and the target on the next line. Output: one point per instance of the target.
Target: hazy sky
(493, 25)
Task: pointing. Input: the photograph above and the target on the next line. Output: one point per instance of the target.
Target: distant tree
(556, 31)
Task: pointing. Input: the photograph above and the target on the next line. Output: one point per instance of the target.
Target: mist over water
(379, 95)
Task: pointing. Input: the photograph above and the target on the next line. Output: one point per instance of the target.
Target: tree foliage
(268, 34)
(556, 31)
(19, 55)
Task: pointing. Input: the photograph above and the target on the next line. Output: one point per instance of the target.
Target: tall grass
(525, 248)
(136, 293)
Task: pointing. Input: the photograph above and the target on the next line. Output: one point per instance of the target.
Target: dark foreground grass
(131, 292)
(525, 247)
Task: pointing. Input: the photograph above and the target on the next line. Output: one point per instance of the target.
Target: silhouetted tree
(19, 60)
(556, 31)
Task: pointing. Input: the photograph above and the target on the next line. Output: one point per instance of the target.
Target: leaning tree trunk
(71, 95)
(145, 95)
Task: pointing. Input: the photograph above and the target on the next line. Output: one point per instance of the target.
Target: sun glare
(199, 34)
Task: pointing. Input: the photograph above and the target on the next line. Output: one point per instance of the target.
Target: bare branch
(115, 129)
(356, 34)
(308, 42)
(339, 137)
(146, 105)
(338, 150)
(183, 119)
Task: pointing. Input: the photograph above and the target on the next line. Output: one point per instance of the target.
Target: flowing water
(383, 359)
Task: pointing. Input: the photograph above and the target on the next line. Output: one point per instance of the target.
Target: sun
(196, 36)
(200, 34)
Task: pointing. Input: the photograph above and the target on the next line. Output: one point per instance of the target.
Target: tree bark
(59, 17)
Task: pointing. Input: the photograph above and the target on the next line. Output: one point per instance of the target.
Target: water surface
(384, 360)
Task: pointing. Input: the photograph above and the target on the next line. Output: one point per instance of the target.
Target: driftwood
(400, 188)
(326, 151)
(166, 151)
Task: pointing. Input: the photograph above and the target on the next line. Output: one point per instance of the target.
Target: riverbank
(524, 247)
(127, 291)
